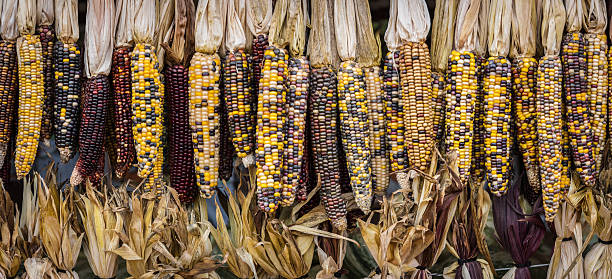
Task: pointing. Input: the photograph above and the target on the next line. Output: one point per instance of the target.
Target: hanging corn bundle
(368, 57)
(45, 14)
(597, 73)
(178, 50)
(31, 88)
(354, 123)
(549, 114)
(323, 111)
(121, 80)
(271, 114)
(568, 244)
(8, 75)
(98, 54)
(67, 57)
(204, 94)
(258, 18)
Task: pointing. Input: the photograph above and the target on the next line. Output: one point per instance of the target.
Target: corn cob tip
(340, 223)
(76, 178)
(249, 160)
(46, 142)
(3, 149)
(403, 179)
(65, 154)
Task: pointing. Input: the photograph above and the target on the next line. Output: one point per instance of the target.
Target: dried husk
(595, 18)
(209, 26)
(346, 29)
(259, 16)
(467, 25)
(553, 20)
(280, 31)
(144, 21)
(413, 20)
(568, 227)
(297, 20)
(26, 17)
(29, 221)
(45, 12)
(10, 254)
(575, 10)
(241, 8)
(99, 37)
(524, 26)
(8, 20)
(322, 39)
(500, 17)
(330, 263)
(180, 47)
(124, 20)
(598, 261)
(235, 36)
(392, 39)
(368, 52)
(482, 41)
(164, 18)
(442, 34)
(67, 21)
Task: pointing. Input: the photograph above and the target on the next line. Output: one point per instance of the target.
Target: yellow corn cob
(376, 117)
(31, 96)
(597, 90)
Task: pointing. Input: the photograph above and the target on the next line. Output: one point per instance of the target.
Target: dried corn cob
(460, 104)
(395, 113)
(226, 147)
(296, 101)
(8, 92)
(573, 57)
(438, 93)
(549, 127)
(122, 102)
(204, 75)
(68, 88)
(47, 39)
(378, 141)
(354, 127)
(597, 90)
(415, 78)
(524, 84)
(147, 109)
(323, 98)
(478, 168)
(260, 43)
(31, 98)
(270, 124)
(498, 113)
(565, 160)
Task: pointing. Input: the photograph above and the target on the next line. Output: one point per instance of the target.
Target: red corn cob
(8, 93)
(122, 103)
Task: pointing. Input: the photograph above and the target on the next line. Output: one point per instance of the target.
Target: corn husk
(241, 8)
(467, 26)
(259, 16)
(297, 20)
(553, 20)
(575, 10)
(322, 39)
(595, 18)
(500, 17)
(124, 20)
(524, 26)
(99, 37)
(482, 41)
(346, 29)
(10, 254)
(567, 225)
(180, 47)
(67, 21)
(392, 39)
(442, 34)
(8, 20)
(165, 20)
(235, 36)
(368, 53)
(598, 261)
(45, 12)
(280, 31)
(209, 26)
(26, 17)
(144, 21)
(331, 257)
(29, 221)
(413, 20)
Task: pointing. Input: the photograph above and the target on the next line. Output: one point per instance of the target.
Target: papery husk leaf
(279, 28)
(598, 261)
(144, 21)
(595, 18)
(99, 37)
(45, 12)
(450, 272)
(180, 48)
(576, 12)
(29, 221)
(567, 226)
(235, 36)
(368, 52)
(413, 20)
(345, 24)
(124, 19)
(524, 26)
(482, 41)
(553, 21)
(297, 21)
(392, 38)
(67, 20)
(26, 17)
(442, 34)
(10, 254)
(467, 27)
(500, 17)
(209, 26)
(259, 16)
(322, 38)
(164, 27)
(8, 28)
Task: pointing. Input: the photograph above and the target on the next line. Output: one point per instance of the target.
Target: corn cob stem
(31, 98)
(121, 80)
(394, 112)
(378, 141)
(204, 75)
(597, 90)
(8, 93)
(47, 39)
(68, 88)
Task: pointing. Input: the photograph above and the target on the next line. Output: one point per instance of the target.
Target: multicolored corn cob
(226, 147)
(260, 44)
(121, 80)
(31, 98)
(597, 90)
(378, 137)
(438, 87)
(270, 123)
(8, 93)
(550, 134)
(204, 116)
(394, 112)
(47, 40)
(479, 169)
(566, 175)
(67, 99)
(324, 99)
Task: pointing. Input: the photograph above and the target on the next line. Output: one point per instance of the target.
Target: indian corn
(47, 40)
(479, 159)
(597, 90)
(394, 112)
(121, 80)
(8, 93)
(66, 106)
(378, 140)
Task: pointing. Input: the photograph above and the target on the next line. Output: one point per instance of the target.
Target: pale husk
(345, 24)
(164, 18)
(209, 26)
(297, 20)
(259, 16)
(553, 20)
(330, 264)
(235, 37)
(575, 10)
(67, 21)
(482, 41)
(368, 52)
(524, 25)
(567, 225)
(598, 261)
(500, 17)
(144, 21)
(99, 37)
(29, 221)
(595, 17)
(279, 32)
(467, 25)
(442, 34)
(392, 39)
(179, 47)
(124, 20)
(413, 20)
(322, 39)
(241, 8)
(10, 254)
(45, 13)
(8, 20)
(26, 17)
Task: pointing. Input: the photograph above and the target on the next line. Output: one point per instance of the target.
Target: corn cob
(438, 93)
(524, 84)
(226, 147)
(47, 39)
(354, 127)
(565, 160)
(498, 140)
(110, 145)
(460, 104)
(31, 98)
(8, 92)
(122, 102)
(260, 43)
(573, 57)
(549, 127)
(147, 109)
(478, 170)
(305, 182)
(415, 78)
(597, 90)
(238, 101)
(378, 141)
(324, 98)
(204, 75)
(66, 104)
(270, 124)
(296, 102)
(394, 112)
